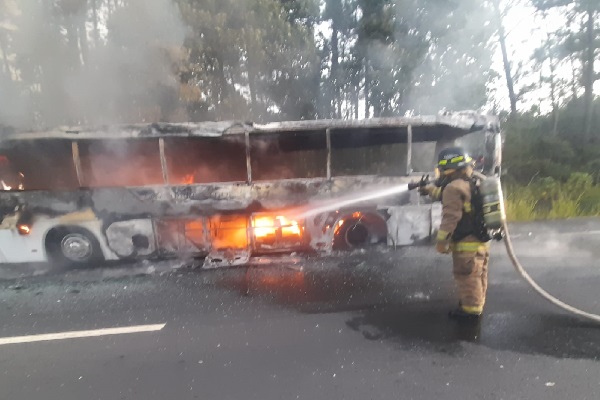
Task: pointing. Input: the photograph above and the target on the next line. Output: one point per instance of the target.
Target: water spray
(350, 200)
(494, 213)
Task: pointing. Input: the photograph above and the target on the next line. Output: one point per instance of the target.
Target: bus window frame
(81, 176)
(441, 141)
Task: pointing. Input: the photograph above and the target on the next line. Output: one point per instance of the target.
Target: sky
(526, 32)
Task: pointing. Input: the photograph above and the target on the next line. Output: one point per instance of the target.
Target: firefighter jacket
(458, 226)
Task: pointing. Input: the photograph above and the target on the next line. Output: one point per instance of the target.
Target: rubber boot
(468, 330)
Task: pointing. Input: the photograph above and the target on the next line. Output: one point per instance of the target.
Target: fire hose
(498, 200)
(497, 212)
(541, 291)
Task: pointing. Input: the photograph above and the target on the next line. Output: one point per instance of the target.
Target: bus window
(478, 147)
(10, 179)
(368, 153)
(107, 163)
(43, 165)
(289, 155)
(205, 160)
(424, 157)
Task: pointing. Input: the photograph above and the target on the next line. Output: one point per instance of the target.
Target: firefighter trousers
(470, 268)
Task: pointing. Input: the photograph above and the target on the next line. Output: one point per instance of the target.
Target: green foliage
(258, 60)
(391, 56)
(532, 151)
(578, 40)
(551, 199)
(519, 205)
(257, 63)
(589, 202)
(564, 207)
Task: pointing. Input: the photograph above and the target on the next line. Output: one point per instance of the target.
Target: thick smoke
(66, 72)
(441, 52)
(457, 68)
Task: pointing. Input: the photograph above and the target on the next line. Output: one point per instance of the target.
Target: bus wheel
(72, 246)
(358, 232)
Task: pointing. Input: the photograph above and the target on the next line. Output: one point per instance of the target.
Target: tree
(94, 61)
(61, 74)
(457, 67)
(510, 84)
(380, 61)
(258, 62)
(581, 40)
(411, 52)
(334, 12)
(548, 64)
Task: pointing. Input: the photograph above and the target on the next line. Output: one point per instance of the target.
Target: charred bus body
(225, 191)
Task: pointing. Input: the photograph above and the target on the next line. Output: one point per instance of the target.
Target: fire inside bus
(225, 192)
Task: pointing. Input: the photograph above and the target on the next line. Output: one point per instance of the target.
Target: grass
(519, 208)
(555, 201)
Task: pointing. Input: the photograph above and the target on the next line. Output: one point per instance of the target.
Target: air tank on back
(493, 203)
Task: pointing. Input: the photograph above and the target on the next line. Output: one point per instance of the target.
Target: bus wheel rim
(76, 247)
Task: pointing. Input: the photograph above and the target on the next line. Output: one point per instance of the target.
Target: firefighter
(462, 230)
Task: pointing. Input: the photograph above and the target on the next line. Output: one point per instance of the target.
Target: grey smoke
(75, 81)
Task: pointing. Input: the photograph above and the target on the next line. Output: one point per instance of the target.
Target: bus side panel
(16, 248)
(132, 238)
(95, 227)
(410, 225)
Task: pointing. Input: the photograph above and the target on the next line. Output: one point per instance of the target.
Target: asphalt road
(367, 325)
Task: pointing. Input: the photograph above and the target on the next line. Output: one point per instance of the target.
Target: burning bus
(226, 191)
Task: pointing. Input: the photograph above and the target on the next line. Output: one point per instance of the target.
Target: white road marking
(81, 334)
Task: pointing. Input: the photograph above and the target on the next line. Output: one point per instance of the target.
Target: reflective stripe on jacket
(469, 247)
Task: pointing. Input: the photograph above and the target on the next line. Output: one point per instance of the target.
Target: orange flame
(24, 229)
(188, 179)
(265, 226)
(229, 232)
(289, 227)
(339, 226)
(355, 215)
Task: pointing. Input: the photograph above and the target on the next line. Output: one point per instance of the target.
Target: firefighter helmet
(454, 158)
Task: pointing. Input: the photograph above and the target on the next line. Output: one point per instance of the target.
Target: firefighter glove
(431, 190)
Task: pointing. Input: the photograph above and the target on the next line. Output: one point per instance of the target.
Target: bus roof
(464, 122)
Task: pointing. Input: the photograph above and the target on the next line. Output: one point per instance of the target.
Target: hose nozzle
(419, 184)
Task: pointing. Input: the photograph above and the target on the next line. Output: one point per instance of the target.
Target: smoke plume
(69, 67)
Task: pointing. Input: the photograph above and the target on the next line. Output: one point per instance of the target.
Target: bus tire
(352, 234)
(367, 230)
(72, 247)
